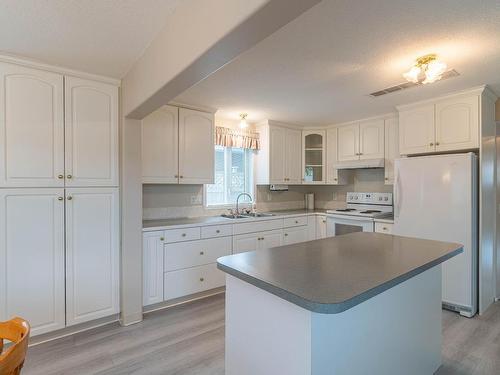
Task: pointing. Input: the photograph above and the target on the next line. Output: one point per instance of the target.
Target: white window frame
(227, 164)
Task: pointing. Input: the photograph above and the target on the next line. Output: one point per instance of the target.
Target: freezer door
(435, 198)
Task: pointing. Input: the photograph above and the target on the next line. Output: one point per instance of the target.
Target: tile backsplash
(171, 201)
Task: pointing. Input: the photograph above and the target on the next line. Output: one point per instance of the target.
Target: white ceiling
(95, 36)
(319, 68)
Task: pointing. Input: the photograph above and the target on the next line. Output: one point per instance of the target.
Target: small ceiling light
(243, 121)
(427, 69)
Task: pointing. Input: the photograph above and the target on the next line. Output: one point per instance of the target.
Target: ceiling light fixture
(427, 69)
(243, 121)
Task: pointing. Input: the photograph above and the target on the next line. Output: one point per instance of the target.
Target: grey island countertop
(335, 274)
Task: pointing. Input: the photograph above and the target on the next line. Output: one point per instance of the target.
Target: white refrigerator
(435, 197)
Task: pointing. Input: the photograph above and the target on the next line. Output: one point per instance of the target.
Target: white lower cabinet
(32, 257)
(195, 253)
(381, 227)
(152, 264)
(295, 235)
(192, 280)
(257, 241)
(320, 227)
(92, 254)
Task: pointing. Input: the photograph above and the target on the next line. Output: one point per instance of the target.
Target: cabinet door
(160, 151)
(246, 242)
(416, 130)
(92, 254)
(293, 156)
(371, 139)
(348, 143)
(391, 149)
(295, 235)
(457, 124)
(196, 147)
(320, 227)
(271, 239)
(314, 156)
(32, 257)
(31, 128)
(152, 266)
(332, 173)
(277, 155)
(91, 133)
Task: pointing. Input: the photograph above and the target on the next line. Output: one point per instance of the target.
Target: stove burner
(370, 212)
(345, 209)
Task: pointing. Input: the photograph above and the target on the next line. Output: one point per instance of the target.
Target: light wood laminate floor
(189, 340)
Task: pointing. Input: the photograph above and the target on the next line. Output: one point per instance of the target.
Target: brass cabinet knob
(431, 144)
(183, 234)
(296, 221)
(217, 231)
(69, 177)
(162, 238)
(60, 198)
(181, 176)
(335, 179)
(387, 178)
(60, 176)
(176, 176)
(324, 221)
(286, 234)
(437, 143)
(202, 279)
(201, 253)
(69, 198)
(384, 228)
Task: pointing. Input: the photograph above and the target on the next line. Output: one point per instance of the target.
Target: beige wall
(167, 201)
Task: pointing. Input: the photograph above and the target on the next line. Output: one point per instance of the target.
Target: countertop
(335, 274)
(212, 220)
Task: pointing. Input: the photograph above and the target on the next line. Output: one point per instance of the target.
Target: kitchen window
(233, 175)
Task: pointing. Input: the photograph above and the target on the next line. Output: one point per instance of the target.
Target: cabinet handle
(437, 143)
(202, 279)
(162, 239)
(384, 228)
(60, 176)
(69, 177)
(431, 144)
(217, 231)
(69, 198)
(286, 234)
(201, 253)
(183, 234)
(335, 179)
(60, 198)
(324, 221)
(181, 176)
(176, 176)
(296, 221)
(387, 178)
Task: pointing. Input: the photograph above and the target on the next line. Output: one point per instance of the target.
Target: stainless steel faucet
(238, 201)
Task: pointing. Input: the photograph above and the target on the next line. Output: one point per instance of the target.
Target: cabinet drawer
(383, 228)
(295, 221)
(216, 231)
(195, 253)
(192, 280)
(257, 226)
(178, 235)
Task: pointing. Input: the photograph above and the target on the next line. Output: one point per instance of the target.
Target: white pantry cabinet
(32, 257)
(31, 127)
(152, 263)
(361, 141)
(391, 152)
(178, 146)
(449, 124)
(91, 133)
(160, 146)
(92, 254)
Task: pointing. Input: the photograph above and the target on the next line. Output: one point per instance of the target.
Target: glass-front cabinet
(314, 156)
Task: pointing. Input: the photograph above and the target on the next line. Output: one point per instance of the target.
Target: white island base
(395, 332)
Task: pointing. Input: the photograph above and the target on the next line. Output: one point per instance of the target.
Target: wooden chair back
(17, 331)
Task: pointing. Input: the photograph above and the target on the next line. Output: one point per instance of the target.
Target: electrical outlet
(195, 199)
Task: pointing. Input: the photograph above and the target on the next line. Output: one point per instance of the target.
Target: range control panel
(370, 198)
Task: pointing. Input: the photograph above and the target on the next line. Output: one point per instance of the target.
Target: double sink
(246, 216)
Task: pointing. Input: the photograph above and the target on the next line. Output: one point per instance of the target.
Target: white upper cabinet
(31, 127)
(293, 156)
(391, 149)
(348, 143)
(160, 141)
(32, 257)
(92, 254)
(196, 147)
(333, 175)
(449, 124)
(371, 139)
(277, 155)
(91, 133)
(416, 130)
(457, 123)
(314, 156)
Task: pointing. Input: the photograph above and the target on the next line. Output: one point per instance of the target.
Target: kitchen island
(361, 303)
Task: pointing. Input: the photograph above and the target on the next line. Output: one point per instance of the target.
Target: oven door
(337, 225)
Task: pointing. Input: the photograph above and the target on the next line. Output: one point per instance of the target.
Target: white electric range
(359, 214)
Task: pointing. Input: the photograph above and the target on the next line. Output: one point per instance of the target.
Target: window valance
(236, 138)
